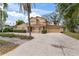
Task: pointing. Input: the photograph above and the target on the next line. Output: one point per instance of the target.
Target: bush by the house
(16, 36)
(44, 31)
(30, 37)
(7, 30)
(20, 31)
(0, 30)
(7, 35)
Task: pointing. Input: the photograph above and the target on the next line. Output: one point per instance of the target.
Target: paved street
(50, 44)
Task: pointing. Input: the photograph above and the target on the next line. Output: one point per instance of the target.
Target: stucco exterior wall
(55, 30)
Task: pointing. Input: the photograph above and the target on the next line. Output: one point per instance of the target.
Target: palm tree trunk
(29, 24)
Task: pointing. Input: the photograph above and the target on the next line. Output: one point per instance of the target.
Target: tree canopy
(70, 12)
(18, 22)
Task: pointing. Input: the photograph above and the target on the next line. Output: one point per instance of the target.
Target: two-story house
(38, 24)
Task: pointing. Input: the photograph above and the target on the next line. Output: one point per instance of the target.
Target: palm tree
(5, 5)
(70, 12)
(3, 15)
(27, 7)
(0, 19)
(54, 19)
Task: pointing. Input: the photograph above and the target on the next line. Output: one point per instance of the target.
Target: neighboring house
(38, 24)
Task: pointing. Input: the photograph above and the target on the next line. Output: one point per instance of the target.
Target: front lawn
(2, 42)
(6, 46)
(74, 35)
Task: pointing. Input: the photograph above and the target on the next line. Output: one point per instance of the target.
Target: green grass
(16, 36)
(2, 42)
(4, 50)
(6, 46)
(74, 35)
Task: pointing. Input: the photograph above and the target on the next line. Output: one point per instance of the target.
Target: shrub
(16, 36)
(0, 30)
(19, 31)
(30, 37)
(26, 37)
(18, 22)
(7, 30)
(7, 35)
(44, 31)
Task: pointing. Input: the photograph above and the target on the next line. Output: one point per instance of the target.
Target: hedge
(19, 31)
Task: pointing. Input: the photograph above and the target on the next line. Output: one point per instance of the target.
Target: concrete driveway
(50, 44)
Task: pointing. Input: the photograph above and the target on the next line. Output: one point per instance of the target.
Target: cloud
(11, 23)
(41, 11)
(34, 14)
(13, 13)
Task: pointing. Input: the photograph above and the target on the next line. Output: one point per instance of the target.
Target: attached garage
(53, 28)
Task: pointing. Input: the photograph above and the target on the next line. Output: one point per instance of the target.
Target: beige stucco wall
(55, 30)
(33, 20)
(40, 19)
(21, 27)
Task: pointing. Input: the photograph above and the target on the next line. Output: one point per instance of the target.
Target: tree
(70, 12)
(0, 19)
(27, 8)
(53, 17)
(18, 22)
(3, 15)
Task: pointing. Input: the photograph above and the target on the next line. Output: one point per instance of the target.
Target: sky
(38, 9)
